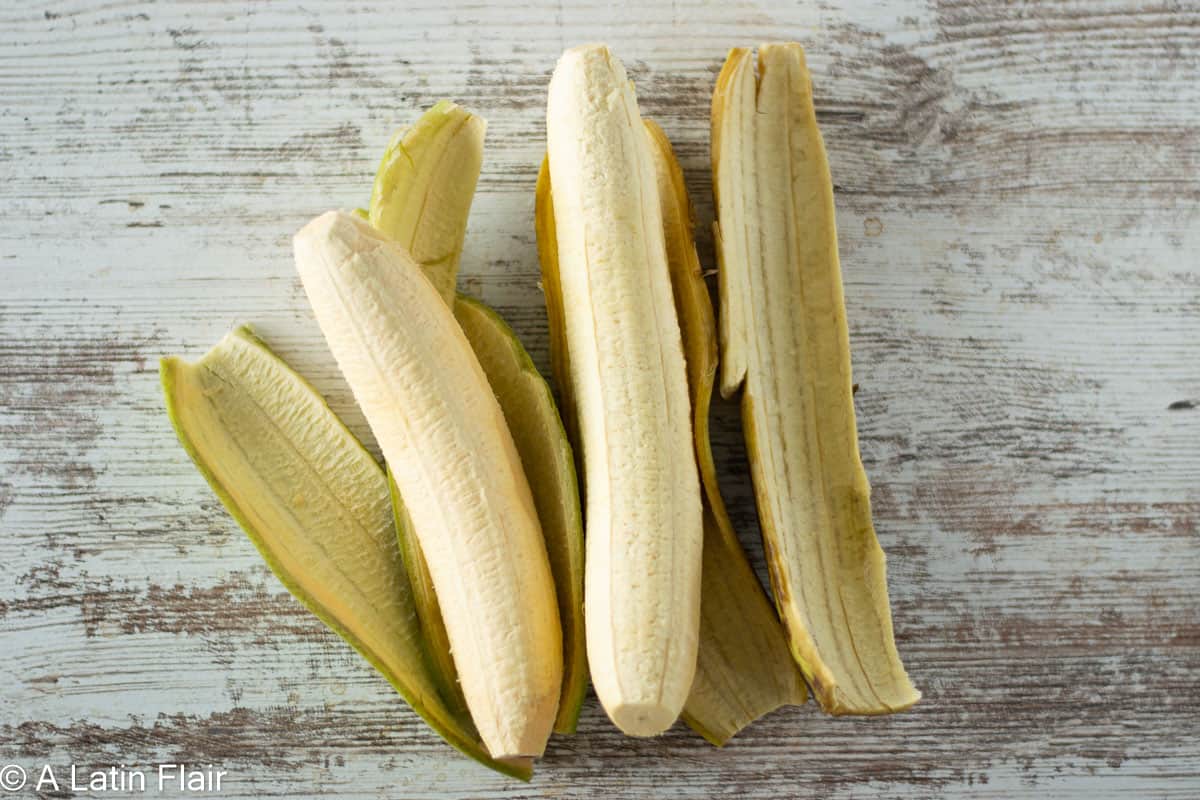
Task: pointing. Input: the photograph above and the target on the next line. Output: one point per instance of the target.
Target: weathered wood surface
(1019, 199)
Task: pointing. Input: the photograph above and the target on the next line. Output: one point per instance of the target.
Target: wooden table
(1019, 199)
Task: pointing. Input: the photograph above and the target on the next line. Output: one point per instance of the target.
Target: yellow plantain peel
(784, 338)
(743, 669)
(429, 612)
(315, 504)
(424, 188)
(528, 406)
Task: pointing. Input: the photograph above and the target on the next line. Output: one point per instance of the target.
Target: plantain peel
(560, 359)
(422, 200)
(744, 669)
(784, 338)
(315, 504)
(424, 188)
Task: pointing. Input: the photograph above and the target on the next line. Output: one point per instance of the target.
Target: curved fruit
(744, 669)
(525, 399)
(784, 334)
(315, 504)
(437, 421)
(424, 187)
(546, 455)
(421, 198)
(643, 514)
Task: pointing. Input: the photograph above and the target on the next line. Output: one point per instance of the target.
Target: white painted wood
(1020, 220)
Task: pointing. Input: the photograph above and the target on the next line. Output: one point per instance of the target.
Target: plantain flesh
(437, 421)
(644, 534)
(541, 441)
(436, 218)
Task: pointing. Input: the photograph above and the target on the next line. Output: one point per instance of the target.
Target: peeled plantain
(629, 384)
(406, 204)
(784, 338)
(437, 421)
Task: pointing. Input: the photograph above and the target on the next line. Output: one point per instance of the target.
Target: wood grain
(1019, 206)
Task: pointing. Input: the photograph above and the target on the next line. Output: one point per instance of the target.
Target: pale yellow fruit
(450, 451)
(629, 384)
